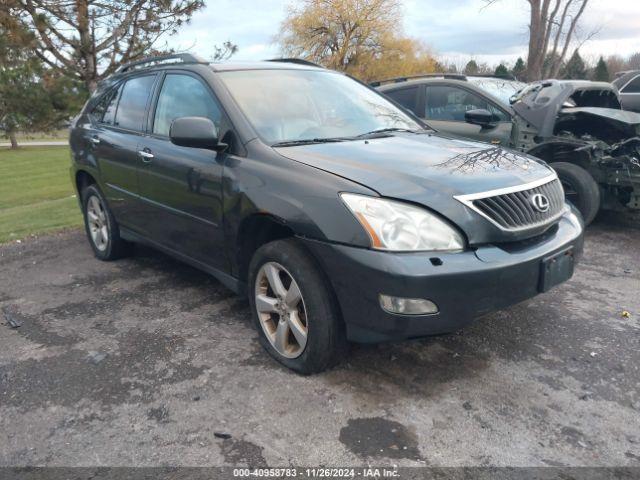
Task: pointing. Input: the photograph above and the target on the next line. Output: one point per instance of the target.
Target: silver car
(628, 84)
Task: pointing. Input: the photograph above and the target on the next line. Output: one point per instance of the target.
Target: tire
(102, 230)
(580, 189)
(286, 263)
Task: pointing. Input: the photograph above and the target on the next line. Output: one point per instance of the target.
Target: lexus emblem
(540, 202)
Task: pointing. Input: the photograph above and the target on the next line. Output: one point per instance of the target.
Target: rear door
(114, 141)
(180, 187)
(445, 107)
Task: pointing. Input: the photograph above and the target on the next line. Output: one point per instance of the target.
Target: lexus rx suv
(341, 216)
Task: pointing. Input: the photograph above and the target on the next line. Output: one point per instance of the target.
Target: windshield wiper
(389, 130)
(310, 141)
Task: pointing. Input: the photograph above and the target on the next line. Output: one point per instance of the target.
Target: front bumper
(464, 285)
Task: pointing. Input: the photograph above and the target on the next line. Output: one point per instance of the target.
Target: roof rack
(160, 59)
(450, 76)
(625, 72)
(508, 76)
(454, 76)
(298, 61)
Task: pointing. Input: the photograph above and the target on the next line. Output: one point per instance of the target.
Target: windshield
(503, 90)
(299, 105)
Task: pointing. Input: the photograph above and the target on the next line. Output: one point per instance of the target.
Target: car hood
(428, 169)
(616, 116)
(540, 102)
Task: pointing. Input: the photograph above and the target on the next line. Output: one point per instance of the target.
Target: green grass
(54, 135)
(36, 194)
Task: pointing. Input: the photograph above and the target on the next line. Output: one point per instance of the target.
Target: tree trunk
(567, 40)
(91, 84)
(13, 140)
(536, 57)
(87, 46)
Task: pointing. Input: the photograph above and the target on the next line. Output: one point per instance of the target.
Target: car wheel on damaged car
(580, 189)
(349, 221)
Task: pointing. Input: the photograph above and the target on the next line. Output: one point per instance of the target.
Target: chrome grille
(512, 209)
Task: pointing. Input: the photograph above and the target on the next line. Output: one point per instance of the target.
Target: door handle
(145, 155)
(95, 140)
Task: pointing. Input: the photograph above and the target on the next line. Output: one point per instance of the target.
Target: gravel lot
(146, 361)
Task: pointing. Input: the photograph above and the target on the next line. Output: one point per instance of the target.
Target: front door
(445, 107)
(180, 187)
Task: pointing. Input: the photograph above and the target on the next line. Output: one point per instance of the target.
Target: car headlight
(398, 226)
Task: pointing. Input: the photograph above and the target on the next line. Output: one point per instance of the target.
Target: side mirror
(481, 117)
(195, 132)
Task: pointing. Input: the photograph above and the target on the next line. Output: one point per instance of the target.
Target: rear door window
(451, 103)
(407, 97)
(133, 103)
(633, 86)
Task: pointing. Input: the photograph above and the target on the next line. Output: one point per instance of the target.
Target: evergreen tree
(501, 71)
(87, 40)
(601, 72)
(519, 69)
(471, 68)
(575, 68)
(31, 97)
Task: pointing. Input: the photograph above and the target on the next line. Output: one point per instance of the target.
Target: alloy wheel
(97, 221)
(281, 310)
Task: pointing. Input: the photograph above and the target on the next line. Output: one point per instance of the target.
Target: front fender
(303, 198)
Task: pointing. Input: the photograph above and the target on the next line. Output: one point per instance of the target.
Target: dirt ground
(146, 361)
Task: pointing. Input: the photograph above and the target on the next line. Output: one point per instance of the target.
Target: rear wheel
(102, 230)
(294, 309)
(580, 189)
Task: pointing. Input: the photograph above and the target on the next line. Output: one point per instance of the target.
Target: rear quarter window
(407, 97)
(104, 111)
(633, 86)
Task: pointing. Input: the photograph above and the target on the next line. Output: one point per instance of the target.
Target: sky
(455, 30)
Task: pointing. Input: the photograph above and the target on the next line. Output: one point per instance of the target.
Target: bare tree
(552, 29)
(634, 61)
(89, 39)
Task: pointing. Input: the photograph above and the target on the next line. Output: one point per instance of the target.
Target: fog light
(407, 306)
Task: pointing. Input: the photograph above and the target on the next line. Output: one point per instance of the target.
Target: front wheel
(580, 189)
(294, 310)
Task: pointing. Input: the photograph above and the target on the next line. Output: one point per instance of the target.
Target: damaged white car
(576, 126)
(579, 128)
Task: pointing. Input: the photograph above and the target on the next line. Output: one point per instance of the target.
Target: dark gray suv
(342, 217)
